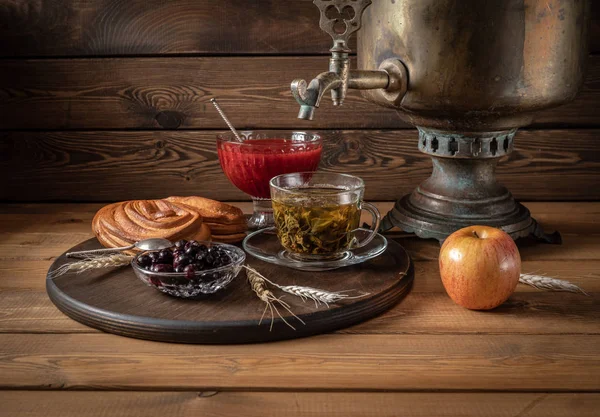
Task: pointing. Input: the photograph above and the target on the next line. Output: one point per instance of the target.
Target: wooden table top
(536, 355)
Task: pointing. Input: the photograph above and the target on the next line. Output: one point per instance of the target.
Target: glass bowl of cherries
(190, 269)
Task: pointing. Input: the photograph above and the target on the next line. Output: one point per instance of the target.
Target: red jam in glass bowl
(251, 164)
(262, 155)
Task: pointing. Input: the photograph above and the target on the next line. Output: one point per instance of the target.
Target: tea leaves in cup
(313, 222)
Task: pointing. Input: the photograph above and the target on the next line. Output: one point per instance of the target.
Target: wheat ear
(315, 294)
(542, 282)
(95, 262)
(259, 286)
(309, 293)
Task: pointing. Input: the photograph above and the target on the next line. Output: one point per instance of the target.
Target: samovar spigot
(340, 19)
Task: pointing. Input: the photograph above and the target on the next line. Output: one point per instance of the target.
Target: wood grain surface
(439, 358)
(49, 245)
(297, 404)
(117, 165)
(67, 218)
(420, 313)
(22, 273)
(113, 27)
(170, 93)
(25, 308)
(328, 362)
(65, 225)
(174, 92)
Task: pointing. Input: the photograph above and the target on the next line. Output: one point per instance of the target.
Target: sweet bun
(233, 238)
(211, 210)
(227, 223)
(124, 223)
(228, 229)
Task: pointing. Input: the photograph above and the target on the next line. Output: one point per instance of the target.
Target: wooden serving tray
(116, 301)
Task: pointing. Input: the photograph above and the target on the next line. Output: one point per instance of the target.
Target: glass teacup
(317, 214)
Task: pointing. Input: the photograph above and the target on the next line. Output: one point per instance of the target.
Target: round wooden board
(116, 301)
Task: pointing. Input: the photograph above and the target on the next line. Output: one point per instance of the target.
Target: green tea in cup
(317, 214)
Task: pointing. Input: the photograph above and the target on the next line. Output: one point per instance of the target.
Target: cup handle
(374, 227)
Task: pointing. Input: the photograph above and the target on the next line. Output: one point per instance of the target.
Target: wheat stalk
(315, 294)
(318, 296)
(93, 262)
(308, 293)
(542, 282)
(259, 286)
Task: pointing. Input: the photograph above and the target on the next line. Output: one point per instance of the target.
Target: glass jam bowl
(203, 282)
(262, 155)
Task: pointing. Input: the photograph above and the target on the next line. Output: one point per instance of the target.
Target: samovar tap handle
(340, 19)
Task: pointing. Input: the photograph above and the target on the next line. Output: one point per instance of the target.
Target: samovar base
(462, 190)
(429, 225)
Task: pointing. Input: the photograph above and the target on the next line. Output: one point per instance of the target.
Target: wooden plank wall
(106, 100)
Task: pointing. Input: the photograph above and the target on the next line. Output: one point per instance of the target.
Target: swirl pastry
(211, 210)
(122, 224)
(227, 223)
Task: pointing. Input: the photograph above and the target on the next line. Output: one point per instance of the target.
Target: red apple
(480, 267)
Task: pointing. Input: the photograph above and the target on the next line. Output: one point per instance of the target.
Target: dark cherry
(180, 268)
(155, 281)
(153, 256)
(199, 265)
(162, 268)
(182, 260)
(191, 244)
(190, 272)
(165, 256)
(180, 244)
(202, 249)
(210, 259)
(144, 261)
(178, 252)
(191, 251)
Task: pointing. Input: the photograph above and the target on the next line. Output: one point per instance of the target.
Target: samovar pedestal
(463, 190)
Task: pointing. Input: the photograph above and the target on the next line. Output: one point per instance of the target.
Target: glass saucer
(264, 245)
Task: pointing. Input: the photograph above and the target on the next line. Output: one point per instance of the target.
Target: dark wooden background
(108, 99)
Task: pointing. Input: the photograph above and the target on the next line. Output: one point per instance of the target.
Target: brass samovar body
(467, 74)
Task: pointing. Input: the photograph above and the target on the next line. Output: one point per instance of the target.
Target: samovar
(467, 74)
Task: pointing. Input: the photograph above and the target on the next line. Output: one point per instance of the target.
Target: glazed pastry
(227, 229)
(233, 238)
(122, 224)
(227, 223)
(212, 211)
